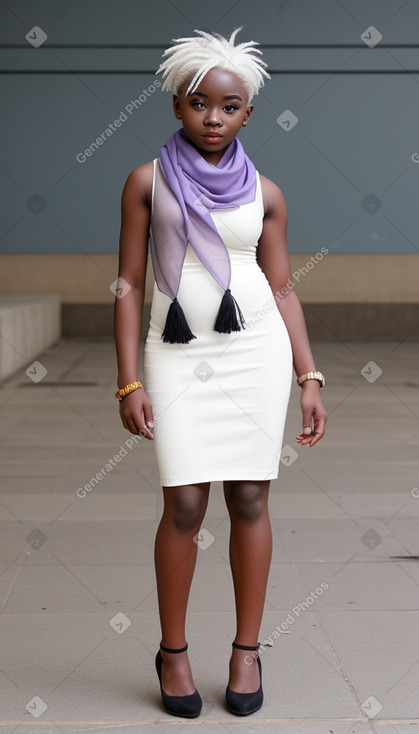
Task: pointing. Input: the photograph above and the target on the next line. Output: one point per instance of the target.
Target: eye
(196, 103)
(230, 107)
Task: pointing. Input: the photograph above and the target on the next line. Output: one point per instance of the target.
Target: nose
(213, 118)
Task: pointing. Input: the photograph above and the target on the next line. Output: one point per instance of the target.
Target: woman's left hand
(314, 414)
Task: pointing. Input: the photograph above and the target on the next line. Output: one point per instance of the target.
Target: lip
(212, 136)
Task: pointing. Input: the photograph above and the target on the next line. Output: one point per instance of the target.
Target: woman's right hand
(136, 414)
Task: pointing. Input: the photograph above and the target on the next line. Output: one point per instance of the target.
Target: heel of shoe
(188, 707)
(243, 704)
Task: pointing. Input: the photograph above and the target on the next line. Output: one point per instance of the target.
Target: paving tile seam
(18, 572)
(340, 670)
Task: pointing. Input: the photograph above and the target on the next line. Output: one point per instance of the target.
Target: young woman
(226, 329)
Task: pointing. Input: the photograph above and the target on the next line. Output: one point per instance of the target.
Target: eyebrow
(228, 96)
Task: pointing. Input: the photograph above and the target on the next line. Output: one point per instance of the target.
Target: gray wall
(357, 109)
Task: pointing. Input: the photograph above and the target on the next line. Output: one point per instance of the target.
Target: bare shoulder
(273, 198)
(138, 186)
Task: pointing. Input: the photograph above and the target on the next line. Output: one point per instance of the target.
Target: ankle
(173, 649)
(248, 652)
(247, 645)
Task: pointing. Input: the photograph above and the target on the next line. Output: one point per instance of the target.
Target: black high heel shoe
(188, 707)
(243, 704)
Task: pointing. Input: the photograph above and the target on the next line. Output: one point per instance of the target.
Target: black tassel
(176, 329)
(229, 317)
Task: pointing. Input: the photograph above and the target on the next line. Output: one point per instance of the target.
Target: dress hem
(225, 477)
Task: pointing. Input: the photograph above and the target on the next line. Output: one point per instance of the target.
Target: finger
(307, 423)
(309, 439)
(320, 425)
(131, 426)
(130, 423)
(125, 422)
(318, 432)
(316, 438)
(148, 415)
(303, 438)
(143, 430)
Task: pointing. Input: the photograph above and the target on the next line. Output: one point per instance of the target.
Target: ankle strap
(245, 647)
(168, 649)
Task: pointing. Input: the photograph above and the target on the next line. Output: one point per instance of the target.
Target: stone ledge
(28, 326)
(328, 321)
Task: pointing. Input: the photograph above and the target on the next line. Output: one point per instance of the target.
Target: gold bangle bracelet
(312, 376)
(127, 389)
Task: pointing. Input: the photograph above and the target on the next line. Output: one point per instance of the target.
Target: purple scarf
(198, 187)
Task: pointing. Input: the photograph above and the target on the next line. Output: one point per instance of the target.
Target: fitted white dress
(220, 402)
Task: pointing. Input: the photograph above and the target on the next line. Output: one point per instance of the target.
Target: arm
(135, 409)
(273, 259)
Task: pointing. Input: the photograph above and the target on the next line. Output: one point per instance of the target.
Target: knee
(187, 513)
(247, 502)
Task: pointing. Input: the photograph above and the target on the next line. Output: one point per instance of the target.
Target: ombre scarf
(198, 187)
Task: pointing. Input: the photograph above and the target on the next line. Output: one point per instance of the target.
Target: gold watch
(312, 376)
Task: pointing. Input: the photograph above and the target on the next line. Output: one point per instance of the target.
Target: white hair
(197, 56)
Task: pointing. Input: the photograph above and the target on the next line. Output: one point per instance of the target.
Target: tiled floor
(79, 626)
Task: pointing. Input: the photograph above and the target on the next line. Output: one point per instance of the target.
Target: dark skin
(220, 106)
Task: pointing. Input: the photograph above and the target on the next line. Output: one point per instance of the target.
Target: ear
(247, 115)
(176, 107)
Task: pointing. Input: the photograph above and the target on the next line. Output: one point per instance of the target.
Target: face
(213, 114)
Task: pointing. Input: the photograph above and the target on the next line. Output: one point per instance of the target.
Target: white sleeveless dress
(220, 402)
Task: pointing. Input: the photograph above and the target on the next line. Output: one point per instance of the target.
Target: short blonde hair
(198, 55)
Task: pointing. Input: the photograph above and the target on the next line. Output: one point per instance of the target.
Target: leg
(250, 559)
(175, 557)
